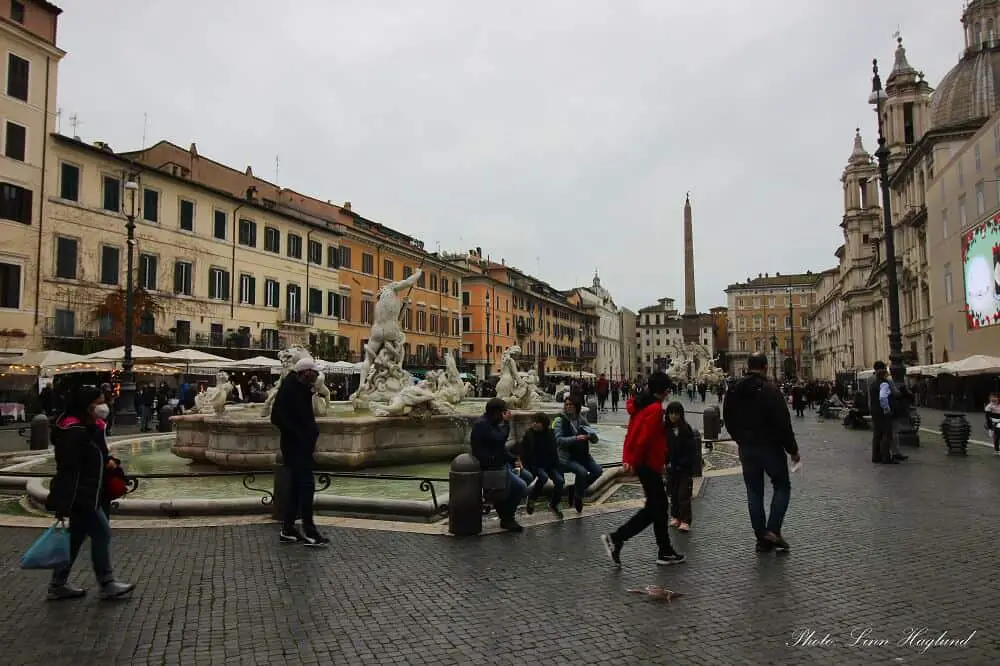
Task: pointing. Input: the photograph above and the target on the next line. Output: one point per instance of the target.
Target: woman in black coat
(77, 491)
(682, 452)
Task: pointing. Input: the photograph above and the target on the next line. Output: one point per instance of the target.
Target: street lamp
(791, 331)
(125, 405)
(774, 356)
(896, 368)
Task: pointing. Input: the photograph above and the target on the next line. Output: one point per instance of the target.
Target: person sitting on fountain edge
(292, 414)
(541, 456)
(489, 445)
(574, 437)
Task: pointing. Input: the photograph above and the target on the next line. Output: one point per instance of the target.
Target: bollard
(163, 419)
(282, 483)
(712, 422)
(699, 462)
(593, 409)
(465, 496)
(39, 438)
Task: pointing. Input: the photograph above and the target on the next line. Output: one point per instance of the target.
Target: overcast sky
(560, 135)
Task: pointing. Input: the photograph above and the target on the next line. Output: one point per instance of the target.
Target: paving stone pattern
(883, 548)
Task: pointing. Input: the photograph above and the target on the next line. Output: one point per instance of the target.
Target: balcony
(588, 350)
(295, 320)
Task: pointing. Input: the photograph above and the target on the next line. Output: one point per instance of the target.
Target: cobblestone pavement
(877, 549)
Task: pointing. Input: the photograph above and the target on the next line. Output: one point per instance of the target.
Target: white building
(659, 335)
(597, 300)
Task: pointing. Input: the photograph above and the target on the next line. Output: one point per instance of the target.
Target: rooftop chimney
(347, 205)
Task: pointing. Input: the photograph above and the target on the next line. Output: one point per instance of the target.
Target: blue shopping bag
(50, 551)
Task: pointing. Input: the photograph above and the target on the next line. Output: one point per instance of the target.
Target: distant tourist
(292, 414)
(574, 435)
(993, 420)
(77, 492)
(603, 388)
(756, 415)
(489, 445)
(616, 391)
(682, 458)
(883, 402)
(645, 455)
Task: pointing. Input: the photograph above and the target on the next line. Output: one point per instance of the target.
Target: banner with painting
(981, 267)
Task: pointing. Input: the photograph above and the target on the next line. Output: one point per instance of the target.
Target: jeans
(526, 476)
(586, 472)
(145, 417)
(91, 523)
(680, 485)
(542, 477)
(301, 491)
(614, 403)
(654, 512)
(758, 461)
(515, 493)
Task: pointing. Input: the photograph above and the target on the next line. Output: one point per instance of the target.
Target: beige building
(770, 313)
(220, 271)
(662, 331)
(27, 114)
(630, 351)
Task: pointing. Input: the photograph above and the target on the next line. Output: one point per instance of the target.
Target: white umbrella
(117, 355)
(977, 364)
(32, 362)
(255, 363)
(342, 368)
(195, 356)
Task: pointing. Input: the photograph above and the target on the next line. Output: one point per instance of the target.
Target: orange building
(720, 333)
(365, 255)
(502, 306)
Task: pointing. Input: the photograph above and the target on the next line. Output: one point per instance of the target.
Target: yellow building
(221, 272)
(363, 254)
(770, 313)
(27, 114)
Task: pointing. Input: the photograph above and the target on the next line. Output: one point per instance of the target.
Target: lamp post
(125, 405)
(896, 368)
(774, 356)
(489, 361)
(791, 332)
(581, 353)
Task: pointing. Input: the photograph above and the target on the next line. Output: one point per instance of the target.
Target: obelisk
(689, 305)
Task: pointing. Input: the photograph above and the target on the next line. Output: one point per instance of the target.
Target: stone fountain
(390, 420)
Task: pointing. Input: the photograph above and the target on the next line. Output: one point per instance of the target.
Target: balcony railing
(296, 319)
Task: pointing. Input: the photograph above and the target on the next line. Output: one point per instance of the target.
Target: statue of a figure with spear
(387, 337)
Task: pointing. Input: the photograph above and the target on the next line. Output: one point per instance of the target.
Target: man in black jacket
(292, 414)
(488, 441)
(756, 416)
(882, 398)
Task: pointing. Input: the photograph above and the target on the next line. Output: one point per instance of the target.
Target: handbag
(50, 551)
(496, 483)
(115, 484)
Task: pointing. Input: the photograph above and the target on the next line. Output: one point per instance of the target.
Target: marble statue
(382, 374)
(448, 384)
(534, 392)
(321, 396)
(513, 385)
(213, 400)
(691, 362)
(288, 357)
(414, 400)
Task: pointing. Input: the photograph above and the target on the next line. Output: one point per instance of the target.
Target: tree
(112, 311)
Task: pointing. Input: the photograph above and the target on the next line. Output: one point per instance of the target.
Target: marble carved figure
(321, 396)
(448, 384)
(512, 386)
(414, 400)
(288, 357)
(213, 400)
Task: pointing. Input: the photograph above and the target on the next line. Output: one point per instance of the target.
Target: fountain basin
(348, 442)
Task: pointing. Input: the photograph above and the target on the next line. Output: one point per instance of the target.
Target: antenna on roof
(74, 122)
(277, 164)
(145, 126)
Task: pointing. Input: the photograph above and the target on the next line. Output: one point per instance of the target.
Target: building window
(15, 203)
(979, 158)
(961, 211)
(444, 285)
(69, 182)
(961, 174)
(10, 286)
(367, 264)
(110, 268)
(111, 197)
(248, 289)
(388, 269)
(186, 215)
(407, 271)
(333, 304)
(218, 284)
(948, 295)
(269, 338)
(150, 205)
(788, 322)
(272, 239)
(366, 311)
(434, 324)
(272, 293)
(434, 282)
(466, 298)
(220, 223)
(147, 272)
(345, 256)
(345, 308)
(422, 280)
(294, 246)
(147, 324)
(772, 321)
(66, 251)
(18, 72)
(332, 256)
(65, 323)
(183, 273)
(17, 11)
(944, 222)
(248, 233)
(980, 200)
(315, 253)
(315, 301)
(293, 303)
(182, 332)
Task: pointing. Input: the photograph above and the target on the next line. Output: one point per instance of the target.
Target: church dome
(969, 91)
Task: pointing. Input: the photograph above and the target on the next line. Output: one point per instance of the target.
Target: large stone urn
(955, 430)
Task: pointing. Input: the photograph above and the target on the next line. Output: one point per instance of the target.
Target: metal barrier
(323, 481)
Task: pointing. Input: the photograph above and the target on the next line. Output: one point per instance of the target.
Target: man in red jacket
(645, 455)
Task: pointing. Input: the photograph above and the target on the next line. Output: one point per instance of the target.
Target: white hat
(304, 364)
